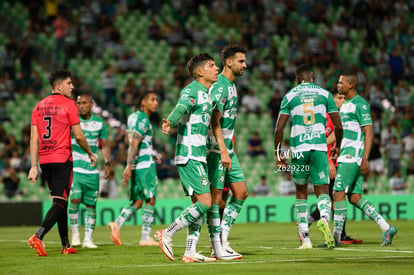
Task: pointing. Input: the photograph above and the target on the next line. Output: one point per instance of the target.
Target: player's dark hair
(58, 76)
(352, 78)
(144, 96)
(87, 94)
(196, 61)
(230, 50)
(303, 68)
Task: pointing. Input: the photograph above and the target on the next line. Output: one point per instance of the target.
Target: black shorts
(58, 177)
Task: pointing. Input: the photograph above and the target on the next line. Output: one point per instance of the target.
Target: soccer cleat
(229, 251)
(88, 243)
(388, 235)
(349, 240)
(324, 245)
(323, 226)
(194, 257)
(68, 250)
(306, 244)
(37, 245)
(165, 244)
(149, 242)
(224, 255)
(76, 239)
(114, 231)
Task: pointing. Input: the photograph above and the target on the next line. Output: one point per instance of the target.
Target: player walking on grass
(353, 159)
(307, 104)
(330, 138)
(223, 164)
(140, 171)
(50, 144)
(193, 114)
(85, 187)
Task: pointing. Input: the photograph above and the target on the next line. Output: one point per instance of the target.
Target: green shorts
(193, 177)
(218, 176)
(313, 164)
(85, 187)
(143, 184)
(348, 175)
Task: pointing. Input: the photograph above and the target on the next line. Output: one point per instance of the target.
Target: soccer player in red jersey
(53, 118)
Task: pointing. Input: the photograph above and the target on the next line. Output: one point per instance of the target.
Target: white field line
(251, 247)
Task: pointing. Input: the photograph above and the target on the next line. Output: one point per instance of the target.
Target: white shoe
(229, 252)
(224, 255)
(88, 243)
(76, 239)
(194, 257)
(165, 244)
(306, 244)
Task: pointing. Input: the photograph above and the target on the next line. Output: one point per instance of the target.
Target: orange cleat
(37, 245)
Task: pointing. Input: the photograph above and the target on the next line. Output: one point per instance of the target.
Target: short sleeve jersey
(223, 95)
(139, 122)
(307, 105)
(194, 124)
(94, 129)
(355, 114)
(53, 116)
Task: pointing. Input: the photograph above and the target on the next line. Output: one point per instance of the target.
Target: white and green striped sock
(147, 221)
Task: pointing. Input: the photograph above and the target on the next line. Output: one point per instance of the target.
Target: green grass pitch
(266, 248)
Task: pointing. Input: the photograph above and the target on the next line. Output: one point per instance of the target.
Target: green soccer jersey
(139, 122)
(355, 114)
(223, 95)
(194, 124)
(307, 105)
(94, 129)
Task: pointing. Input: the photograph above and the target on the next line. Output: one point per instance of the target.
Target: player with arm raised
(193, 114)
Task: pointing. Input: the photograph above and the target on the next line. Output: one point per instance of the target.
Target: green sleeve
(176, 114)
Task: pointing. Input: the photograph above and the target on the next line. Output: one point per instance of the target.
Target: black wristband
(108, 163)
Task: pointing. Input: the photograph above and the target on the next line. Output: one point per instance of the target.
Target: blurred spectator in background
(397, 184)
(251, 103)
(166, 169)
(130, 93)
(26, 56)
(393, 151)
(11, 182)
(109, 85)
(262, 189)
(287, 186)
(60, 25)
(408, 142)
(255, 146)
(8, 57)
